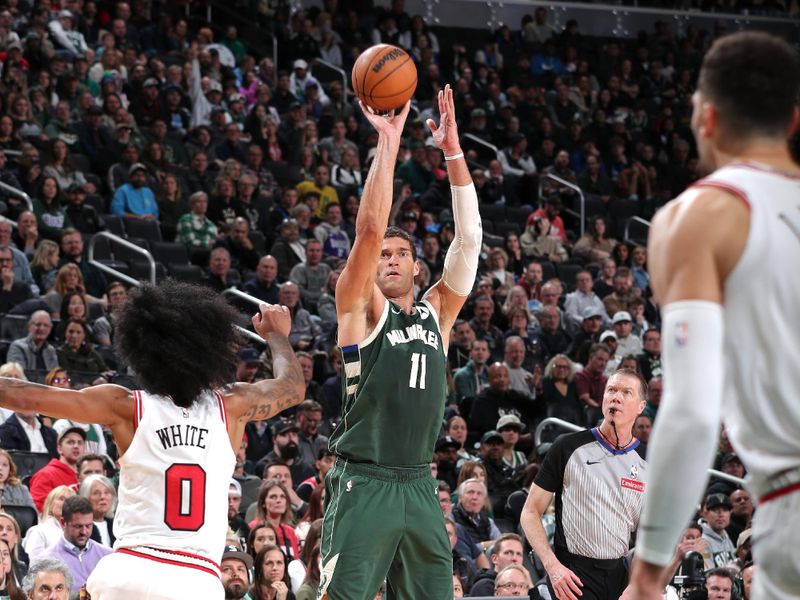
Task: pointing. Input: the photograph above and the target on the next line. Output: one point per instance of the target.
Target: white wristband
(455, 156)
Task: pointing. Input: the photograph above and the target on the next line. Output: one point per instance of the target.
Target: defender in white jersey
(177, 439)
(725, 259)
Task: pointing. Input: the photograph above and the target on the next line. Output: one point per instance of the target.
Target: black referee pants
(602, 579)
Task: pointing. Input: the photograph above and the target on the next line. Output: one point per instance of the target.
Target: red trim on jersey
(137, 409)
(731, 189)
(222, 412)
(764, 169)
(778, 493)
(177, 563)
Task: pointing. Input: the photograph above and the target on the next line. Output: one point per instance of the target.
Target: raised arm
(688, 271)
(357, 303)
(461, 261)
(266, 398)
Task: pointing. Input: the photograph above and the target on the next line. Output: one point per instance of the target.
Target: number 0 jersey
(174, 477)
(394, 390)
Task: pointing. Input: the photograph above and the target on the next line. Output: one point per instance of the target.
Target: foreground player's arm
(566, 584)
(448, 295)
(358, 305)
(107, 404)
(689, 264)
(266, 398)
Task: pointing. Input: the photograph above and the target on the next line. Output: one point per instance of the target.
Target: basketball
(384, 77)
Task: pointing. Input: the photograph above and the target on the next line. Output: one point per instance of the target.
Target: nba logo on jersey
(682, 334)
(634, 472)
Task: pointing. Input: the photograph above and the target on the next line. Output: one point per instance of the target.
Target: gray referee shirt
(599, 494)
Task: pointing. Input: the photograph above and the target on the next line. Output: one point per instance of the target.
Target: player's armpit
(103, 404)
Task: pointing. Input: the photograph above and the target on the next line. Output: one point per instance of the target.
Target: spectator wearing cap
(446, 456)
(134, 200)
(627, 343)
(173, 112)
(148, 106)
(67, 39)
(236, 521)
(510, 427)
(286, 450)
(247, 364)
(61, 470)
(415, 171)
(730, 464)
(589, 333)
(471, 514)
(83, 216)
(235, 572)
(501, 478)
(715, 544)
(622, 294)
(202, 102)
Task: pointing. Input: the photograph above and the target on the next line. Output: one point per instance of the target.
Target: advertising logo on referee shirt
(632, 482)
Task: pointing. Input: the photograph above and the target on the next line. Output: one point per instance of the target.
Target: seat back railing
(10, 189)
(554, 421)
(126, 244)
(640, 221)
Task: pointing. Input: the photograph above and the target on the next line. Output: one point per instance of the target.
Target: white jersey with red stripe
(762, 331)
(174, 478)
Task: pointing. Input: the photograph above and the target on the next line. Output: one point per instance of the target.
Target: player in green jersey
(382, 516)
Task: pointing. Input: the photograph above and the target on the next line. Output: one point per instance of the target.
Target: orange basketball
(384, 77)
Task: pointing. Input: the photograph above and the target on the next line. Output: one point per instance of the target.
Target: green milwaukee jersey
(394, 390)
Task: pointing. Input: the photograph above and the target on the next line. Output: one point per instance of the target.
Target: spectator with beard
(286, 450)
(498, 400)
(236, 520)
(310, 441)
(446, 450)
(235, 572)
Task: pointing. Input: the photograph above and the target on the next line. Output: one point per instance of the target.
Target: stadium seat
(493, 212)
(548, 271)
(26, 517)
(169, 253)
(503, 228)
(259, 242)
(138, 228)
(567, 273)
(126, 254)
(114, 224)
(14, 327)
(187, 273)
(28, 462)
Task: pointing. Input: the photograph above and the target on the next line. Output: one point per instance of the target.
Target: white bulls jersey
(762, 329)
(174, 479)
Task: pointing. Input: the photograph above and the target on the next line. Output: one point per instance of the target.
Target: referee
(598, 478)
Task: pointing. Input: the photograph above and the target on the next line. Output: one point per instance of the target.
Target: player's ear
(416, 267)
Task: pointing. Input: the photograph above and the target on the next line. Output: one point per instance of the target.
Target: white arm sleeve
(684, 438)
(461, 260)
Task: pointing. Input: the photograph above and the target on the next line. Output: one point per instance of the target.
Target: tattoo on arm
(273, 396)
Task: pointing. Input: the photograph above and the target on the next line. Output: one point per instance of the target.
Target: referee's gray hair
(471, 480)
(46, 565)
(86, 489)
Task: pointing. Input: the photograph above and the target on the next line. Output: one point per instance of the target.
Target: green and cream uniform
(382, 509)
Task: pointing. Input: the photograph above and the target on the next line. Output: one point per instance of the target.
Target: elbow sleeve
(461, 260)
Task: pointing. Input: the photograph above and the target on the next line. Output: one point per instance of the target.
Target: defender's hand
(272, 318)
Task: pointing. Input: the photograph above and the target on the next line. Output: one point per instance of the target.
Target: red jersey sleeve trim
(137, 409)
(727, 187)
(222, 412)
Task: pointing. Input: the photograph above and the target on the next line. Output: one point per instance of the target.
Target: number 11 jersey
(394, 390)
(174, 477)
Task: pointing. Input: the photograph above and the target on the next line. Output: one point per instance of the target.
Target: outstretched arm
(461, 261)
(690, 264)
(263, 400)
(357, 304)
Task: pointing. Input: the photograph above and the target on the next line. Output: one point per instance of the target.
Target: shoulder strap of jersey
(137, 409)
(221, 404)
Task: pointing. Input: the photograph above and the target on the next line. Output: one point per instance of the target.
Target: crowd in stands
(235, 171)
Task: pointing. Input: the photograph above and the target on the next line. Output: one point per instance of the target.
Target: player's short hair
(753, 79)
(179, 339)
(393, 231)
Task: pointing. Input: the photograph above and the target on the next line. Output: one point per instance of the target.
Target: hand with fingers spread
(272, 318)
(390, 124)
(566, 584)
(445, 136)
